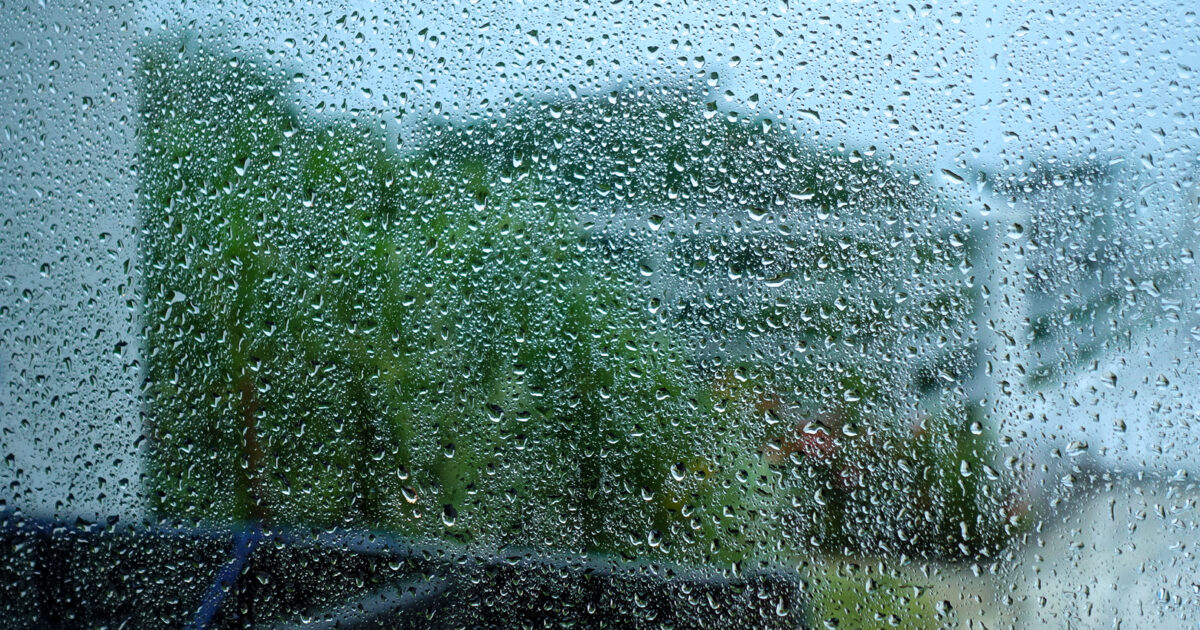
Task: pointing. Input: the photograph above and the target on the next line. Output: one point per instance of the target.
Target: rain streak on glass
(658, 315)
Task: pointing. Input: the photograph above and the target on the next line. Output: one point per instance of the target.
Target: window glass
(637, 315)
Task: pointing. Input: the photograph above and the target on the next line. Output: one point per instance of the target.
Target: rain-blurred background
(896, 300)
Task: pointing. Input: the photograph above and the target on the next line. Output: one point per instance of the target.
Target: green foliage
(859, 597)
(602, 325)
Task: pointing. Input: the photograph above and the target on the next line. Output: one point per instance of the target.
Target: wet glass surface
(633, 315)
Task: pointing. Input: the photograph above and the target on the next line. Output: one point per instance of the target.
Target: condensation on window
(641, 314)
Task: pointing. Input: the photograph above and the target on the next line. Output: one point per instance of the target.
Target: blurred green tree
(630, 323)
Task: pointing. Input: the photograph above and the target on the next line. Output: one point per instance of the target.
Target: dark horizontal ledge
(247, 575)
